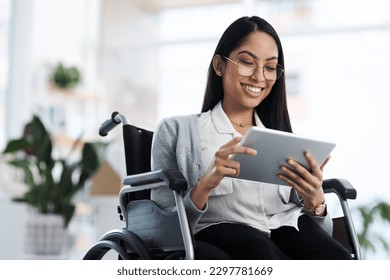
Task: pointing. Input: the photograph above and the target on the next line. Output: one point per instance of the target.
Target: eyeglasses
(247, 68)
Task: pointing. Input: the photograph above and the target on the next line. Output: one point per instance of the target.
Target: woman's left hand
(307, 183)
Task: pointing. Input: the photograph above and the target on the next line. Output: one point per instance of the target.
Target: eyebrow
(255, 56)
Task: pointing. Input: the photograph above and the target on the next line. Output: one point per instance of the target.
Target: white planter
(46, 234)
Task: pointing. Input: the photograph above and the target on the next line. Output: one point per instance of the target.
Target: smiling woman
(245, 88)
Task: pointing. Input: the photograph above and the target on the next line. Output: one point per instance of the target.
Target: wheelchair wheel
(128, 245)
(99, 249)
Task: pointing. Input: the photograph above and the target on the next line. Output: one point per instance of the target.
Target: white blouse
(261, 205)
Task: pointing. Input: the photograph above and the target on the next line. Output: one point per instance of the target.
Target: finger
(227, 167)
(325, 162)
(224, 151)
(303, 188)
(232, 142)
(294, 177)
(228, 149)
(302, 176)
(234, 148)
(223, 171)
(302, 171)
(291, 183)
(242, 150)
(313, 165)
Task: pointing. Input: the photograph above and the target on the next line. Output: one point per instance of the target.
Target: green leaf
(384, 210)
(68, 212)
(24, 164)
(16, 145)
(384, 242)
(92, 156)
(66, 187)
(41, 141)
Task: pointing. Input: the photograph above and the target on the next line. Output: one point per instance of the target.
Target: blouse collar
(222, 123)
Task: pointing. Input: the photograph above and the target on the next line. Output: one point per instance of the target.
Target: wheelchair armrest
(172, 178)
(341, 187)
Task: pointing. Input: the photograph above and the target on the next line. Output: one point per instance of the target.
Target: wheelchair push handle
(115, 119)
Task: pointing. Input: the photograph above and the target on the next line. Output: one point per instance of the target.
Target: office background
(148, 59)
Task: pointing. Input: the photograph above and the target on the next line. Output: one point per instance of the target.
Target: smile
(251, 88)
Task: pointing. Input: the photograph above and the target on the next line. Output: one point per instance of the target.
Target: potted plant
(369, 215)
(65, 77)
(52, 183)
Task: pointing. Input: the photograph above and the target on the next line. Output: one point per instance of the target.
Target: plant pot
(46, 234)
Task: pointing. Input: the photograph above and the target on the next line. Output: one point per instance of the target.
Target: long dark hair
(272, 110)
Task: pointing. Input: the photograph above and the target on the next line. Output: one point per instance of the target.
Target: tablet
(273, 148)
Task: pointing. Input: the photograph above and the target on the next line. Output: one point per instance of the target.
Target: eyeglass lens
(270, 71)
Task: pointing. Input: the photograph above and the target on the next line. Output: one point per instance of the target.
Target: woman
(244, 219)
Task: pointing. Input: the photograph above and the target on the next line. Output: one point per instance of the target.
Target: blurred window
(5, 11)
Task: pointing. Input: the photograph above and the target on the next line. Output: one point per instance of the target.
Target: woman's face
(247, 92)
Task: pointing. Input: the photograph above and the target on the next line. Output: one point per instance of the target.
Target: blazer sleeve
(165, 154)
(326, 223)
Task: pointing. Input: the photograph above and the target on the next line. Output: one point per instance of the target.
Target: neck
(241, 118)
(241, 124)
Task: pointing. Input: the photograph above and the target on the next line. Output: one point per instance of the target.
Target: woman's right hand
(221, 166)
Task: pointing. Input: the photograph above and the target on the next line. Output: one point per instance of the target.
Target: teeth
(252, 89)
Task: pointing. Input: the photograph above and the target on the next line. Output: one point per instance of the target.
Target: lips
(252, 89)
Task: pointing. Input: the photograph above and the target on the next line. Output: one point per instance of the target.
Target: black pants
(241, 242)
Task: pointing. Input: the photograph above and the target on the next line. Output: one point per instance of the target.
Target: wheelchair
(152, 233)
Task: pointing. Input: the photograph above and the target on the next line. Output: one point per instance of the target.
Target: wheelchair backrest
(137, 145)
